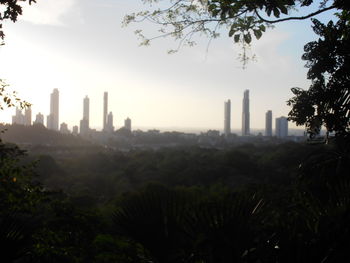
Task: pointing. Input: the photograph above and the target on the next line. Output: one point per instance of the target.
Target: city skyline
(108, 122)
(153, 88)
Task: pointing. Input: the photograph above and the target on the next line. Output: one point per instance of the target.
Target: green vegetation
(245, 204)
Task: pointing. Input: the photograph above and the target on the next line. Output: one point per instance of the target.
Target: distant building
(64, 128)
(39, 119)
(84, 123)
(245, 114)
(213, 133)
(281, 127)
(105, 110)
(18, 118)
(227, 118)
(268, 123)
(127, 124)
(75, 130)
(53, 118)
(28, 116)
(109, 124)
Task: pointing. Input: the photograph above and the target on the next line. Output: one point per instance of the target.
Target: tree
(244, 19)
(10, 10)
(327, 101)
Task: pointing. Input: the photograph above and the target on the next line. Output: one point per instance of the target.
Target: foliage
(197, 217)
(243, 19)
(10, 99)
(10, 10)
(17, 190)
(327, 101)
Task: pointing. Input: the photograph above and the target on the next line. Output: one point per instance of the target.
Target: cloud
(47, 12)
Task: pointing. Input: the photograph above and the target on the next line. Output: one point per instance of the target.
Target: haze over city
(80, 48)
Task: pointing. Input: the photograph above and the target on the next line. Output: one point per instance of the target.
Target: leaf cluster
(327, 101)
(10, 10)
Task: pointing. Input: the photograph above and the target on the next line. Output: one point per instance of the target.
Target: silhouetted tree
(10, 10)
(327, 101)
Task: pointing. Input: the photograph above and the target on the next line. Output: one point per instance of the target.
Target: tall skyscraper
(245, 114)
(109, 124)
(105, 110)
(28, 116)
(53, 118)
(18, 118)
(268, 123)
(227, 118)
(86, 108)
(127, 124)
(84, 123)
(281, 127)
(75, 130)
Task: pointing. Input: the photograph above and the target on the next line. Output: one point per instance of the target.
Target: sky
(81, 48)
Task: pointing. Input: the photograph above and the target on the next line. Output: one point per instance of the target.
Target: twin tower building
(245, 116)
(281, 123)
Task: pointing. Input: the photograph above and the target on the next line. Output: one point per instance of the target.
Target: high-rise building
(227, 118)
(268, 123)
(64, 128)
(84, 123)
(245, 114)
(105, 110)
(127, 124)
(53, 118)
(39, 119)
(86, 108)
(75, 130)
(109, 124)
(18, 118)
(281, 127)
(28, 116)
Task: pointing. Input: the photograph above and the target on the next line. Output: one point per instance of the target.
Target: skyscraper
(109, 124)
(39, 119)
(53, 118)
(28, 116)
(18, 118)
(127, 124)
(268, 123)
(75, 130)
(281, 127)
(227, 118)
(105, 110)
(84, 123)
(245, 114)
(64, 128)
(86, 108)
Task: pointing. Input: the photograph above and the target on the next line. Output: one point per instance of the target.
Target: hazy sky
(80, 48)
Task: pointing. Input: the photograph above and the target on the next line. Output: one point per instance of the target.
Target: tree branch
(293, 17)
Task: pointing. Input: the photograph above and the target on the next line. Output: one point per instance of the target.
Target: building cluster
(281, 123)
(24, 119)
(52, 120)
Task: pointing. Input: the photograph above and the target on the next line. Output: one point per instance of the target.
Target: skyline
(80, 48)
(53, 122)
